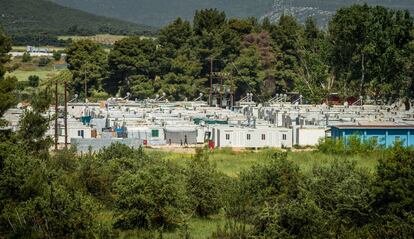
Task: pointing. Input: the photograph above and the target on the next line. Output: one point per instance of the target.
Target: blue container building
(385, 134)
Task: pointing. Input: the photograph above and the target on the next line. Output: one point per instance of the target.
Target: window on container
(155, 133)
(263, 137)
(227, 136)
(284, 136)
(249, 136)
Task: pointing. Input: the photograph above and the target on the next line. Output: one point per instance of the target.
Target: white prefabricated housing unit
(308, 136)
(153, 134)
(77, 131)
(246, 137)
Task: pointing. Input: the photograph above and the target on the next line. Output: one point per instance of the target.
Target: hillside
(161, 12)
(23, 17)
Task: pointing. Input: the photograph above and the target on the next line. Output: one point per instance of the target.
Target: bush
(57, 55)
(33, 81)
(36, 203)
(26, 57)
(334, 201)
(152, 197)
(204, 184)
(272, 182)
(43, 61)
(354, 145)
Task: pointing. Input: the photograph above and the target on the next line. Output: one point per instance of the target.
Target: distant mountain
(161, 12)
(323, 10)
(20, 17)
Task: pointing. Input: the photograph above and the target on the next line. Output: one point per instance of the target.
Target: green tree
(132, 62)
(8, 84)
(246, 71)
(88, 63)
(286, 34)
(369, 50)
(5, 47)
(394, 194)
(316, 80)
(175, 35)
(208, 20)
(184, 79)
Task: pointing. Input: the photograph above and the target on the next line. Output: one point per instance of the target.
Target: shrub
(269, 183)
(203, 184)
(57, 55)
(26, 57)
(353, 145)
(33, 81)
(334, 201)
(152, 197)
(43, 61)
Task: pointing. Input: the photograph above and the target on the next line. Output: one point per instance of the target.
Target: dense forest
(41, 21)
(366, 51)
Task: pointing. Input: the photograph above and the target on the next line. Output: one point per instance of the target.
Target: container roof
(375, 125)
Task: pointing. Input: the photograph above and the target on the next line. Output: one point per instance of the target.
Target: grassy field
(43, 73)
(23, 48)
(232, 163)
(105, 39)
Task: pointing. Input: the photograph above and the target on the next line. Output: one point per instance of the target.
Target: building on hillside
(384, 133)
(248, 137)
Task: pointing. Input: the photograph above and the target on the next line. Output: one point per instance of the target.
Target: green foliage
(353, 145)
(36, 204)
(369, 53)
(43, 61)
(117, 151)
(5, 47)
(26, 57)
(88, 63)
(203, 185)
(57, 55)
(7, 97)
(232, 230)
(152, 197)
(34, 81)
(8, 84)
(275, 181)
(132, 64)
(208, 20)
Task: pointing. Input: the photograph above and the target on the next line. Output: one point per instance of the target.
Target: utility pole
(66, 115)
(86, 89)
(210, 99)
(57, 116)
